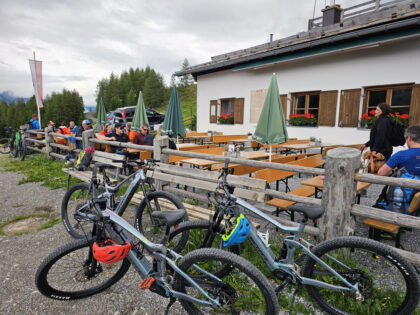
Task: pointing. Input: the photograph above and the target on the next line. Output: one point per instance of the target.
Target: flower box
(225, 119)
(302, 119)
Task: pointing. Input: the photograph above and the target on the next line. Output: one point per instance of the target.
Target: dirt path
(21, 255)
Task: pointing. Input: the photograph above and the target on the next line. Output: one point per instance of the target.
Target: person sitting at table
(172, 144)
(140, 137)
(408, 159)
(64, 131)
(73, 127)
(119, 136)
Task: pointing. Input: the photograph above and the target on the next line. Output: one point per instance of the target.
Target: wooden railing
(339, 193)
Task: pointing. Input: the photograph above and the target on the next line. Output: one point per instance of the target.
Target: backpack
(396, 136)
(387, 202)
(83, 159)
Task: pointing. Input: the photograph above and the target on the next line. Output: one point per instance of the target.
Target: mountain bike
(91, 265)
(344, 275)
(79, 197)
(14, 145)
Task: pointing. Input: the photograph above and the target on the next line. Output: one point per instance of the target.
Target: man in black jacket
(119, 136)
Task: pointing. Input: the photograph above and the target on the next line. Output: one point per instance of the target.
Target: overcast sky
(80, 42)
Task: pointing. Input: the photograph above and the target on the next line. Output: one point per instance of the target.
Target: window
(305, 103)
(227, 111)
(399, 97)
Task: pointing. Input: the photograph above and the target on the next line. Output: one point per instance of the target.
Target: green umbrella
(140, 116)
(101, 113)
(271, 127)
(173, 125)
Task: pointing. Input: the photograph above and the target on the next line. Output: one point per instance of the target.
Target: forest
(116, 91)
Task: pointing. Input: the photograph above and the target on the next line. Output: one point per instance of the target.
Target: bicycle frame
(160, 255)
(286, 264)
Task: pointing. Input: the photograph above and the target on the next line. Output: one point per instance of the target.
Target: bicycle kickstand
(172, 300)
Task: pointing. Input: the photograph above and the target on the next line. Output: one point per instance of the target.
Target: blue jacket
(34, 124)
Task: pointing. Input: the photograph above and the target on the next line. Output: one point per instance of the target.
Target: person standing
(34, 122)
(379, 140)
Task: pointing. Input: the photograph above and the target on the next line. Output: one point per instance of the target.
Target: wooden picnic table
(183, 146)
(318, 183)
(304, 146)
(197, 138)
(249, 155)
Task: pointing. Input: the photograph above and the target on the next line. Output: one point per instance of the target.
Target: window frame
(388, 99)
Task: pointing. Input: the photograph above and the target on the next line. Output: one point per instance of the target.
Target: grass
(38, 168)
(43, 226)
(188, 100)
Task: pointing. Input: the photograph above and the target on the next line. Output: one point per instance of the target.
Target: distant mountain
(9, 96)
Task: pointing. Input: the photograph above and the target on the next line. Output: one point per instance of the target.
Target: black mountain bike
(15, 144)
(76, 270)
(79, 197)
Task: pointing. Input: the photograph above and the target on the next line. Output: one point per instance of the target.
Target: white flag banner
(36, 72)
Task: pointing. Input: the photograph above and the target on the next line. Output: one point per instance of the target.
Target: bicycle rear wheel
(75, 198)
(22, 149)
(155, 231)
(244, 290)
(5, 146)
(387, 282)
(71, 273)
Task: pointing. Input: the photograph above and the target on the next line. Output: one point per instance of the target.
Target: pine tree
(186, 79)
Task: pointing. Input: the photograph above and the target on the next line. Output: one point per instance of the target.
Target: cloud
(81, 42)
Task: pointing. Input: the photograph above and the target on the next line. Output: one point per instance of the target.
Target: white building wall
(390, 63)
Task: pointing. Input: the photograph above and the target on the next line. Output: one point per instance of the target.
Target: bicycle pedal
(146, 283)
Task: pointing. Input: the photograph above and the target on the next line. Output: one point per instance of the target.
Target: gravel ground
(21, 256)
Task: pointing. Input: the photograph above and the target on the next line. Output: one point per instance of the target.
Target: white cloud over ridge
(81, 42)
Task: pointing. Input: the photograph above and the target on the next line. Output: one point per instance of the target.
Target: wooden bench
(97, 157)
(283, 205)
(376, 226)
(227, 138)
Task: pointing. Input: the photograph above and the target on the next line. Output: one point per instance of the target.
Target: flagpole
(37, 106)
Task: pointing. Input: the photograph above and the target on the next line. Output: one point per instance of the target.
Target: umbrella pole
(269, 159)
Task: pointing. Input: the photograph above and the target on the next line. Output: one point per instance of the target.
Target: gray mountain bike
(78, 269)
(344, 275)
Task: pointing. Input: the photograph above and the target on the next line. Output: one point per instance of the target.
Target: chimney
(331, 15)
(271, 38)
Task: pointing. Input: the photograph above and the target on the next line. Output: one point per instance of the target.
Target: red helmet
(109, 251)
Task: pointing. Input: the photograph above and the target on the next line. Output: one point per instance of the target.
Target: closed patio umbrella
(101, 113)
(173, 125)
(271, 127)
(140, 116)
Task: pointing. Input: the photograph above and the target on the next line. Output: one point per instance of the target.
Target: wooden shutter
(213, 112)
(238, 112)
(283, 99)
(349, 108)
(327, 108)
(414, 114)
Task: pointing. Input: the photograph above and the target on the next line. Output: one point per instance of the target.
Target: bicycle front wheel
(387, 283)
(5, 146)
(75, 198)
(71, 273)
(152, 228)
(243, 290)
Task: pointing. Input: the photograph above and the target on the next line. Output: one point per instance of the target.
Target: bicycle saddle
(310, 211)
(169, 218)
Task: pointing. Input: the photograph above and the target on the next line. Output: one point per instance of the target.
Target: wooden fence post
(86, 135)
(339, 193)
(159, 144)
(48, 139)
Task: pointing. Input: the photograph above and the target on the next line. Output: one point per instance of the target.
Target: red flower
(404, 116)
(308, 116)
(397, 113)
(312, 116)
(391, 114)
(369, 118)
(230, 114)
(372, 112)
(218, 117)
